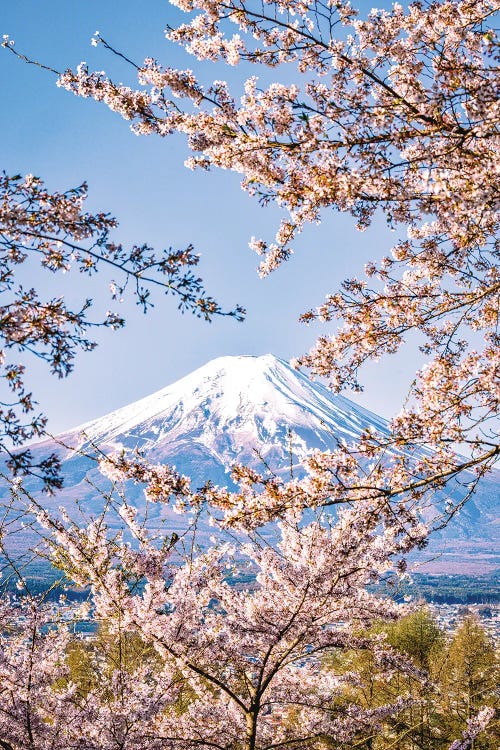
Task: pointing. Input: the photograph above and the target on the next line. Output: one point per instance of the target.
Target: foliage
(249, 656)
(215, 654)
(469, 679)
(442, 707)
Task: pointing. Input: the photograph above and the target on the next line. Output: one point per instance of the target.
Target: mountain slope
(246, 409)
(226, 410)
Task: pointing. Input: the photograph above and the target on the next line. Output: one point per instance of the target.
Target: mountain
(223, 412)
(251, 410)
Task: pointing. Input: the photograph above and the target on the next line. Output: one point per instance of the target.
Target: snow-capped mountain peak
(233, 406)
(245, 409)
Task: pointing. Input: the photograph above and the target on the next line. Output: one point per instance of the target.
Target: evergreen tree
(469, 680)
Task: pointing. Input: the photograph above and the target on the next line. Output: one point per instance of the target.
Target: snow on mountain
(234, 409)
(227, 410)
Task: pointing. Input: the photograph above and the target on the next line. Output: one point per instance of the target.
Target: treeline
(442, 589)
(456, 589)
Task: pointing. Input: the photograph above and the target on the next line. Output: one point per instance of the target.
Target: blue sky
(142, 181)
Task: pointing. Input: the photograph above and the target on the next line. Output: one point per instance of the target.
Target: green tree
(94, 660)
(416, 728)
(419, 636)
(469, 680)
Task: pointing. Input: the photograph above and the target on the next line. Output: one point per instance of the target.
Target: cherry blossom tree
(248, 654)
(45, 704)
(53, 229)
(236, 637)
(393, 112)
(30, 662)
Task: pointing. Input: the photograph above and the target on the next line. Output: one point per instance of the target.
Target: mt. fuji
(227, 411)
(244, 409)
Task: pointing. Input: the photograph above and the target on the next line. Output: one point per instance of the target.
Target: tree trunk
(251, 733)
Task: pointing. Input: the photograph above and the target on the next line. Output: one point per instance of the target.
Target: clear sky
(52, 134)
